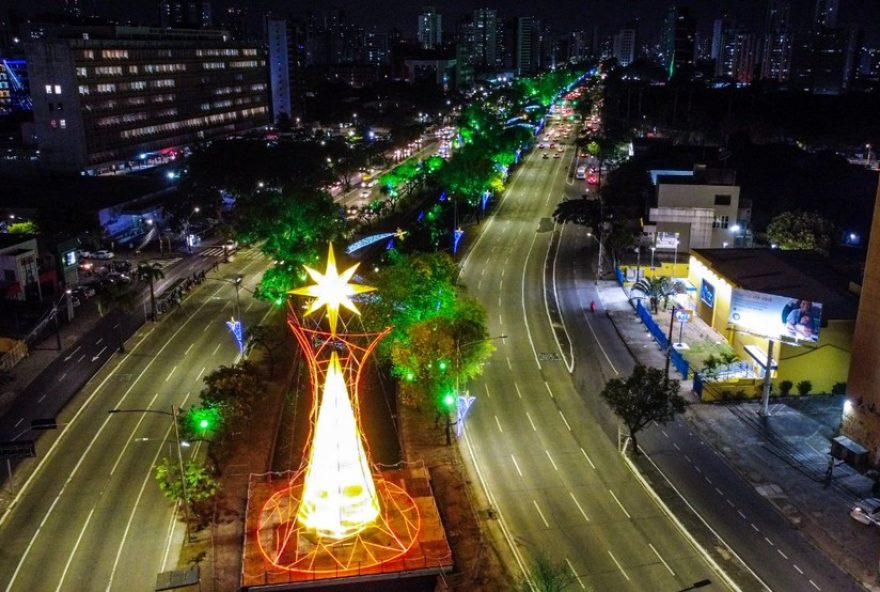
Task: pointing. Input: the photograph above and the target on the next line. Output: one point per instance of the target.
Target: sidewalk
(784, 457)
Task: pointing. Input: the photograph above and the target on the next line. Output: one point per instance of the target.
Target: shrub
(839, 388)
(785, 387)
(804, 387)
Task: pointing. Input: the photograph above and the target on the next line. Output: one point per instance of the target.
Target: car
(103, 254)
(83, 254)
(592, 179)
(581, 172)
(365, 193)
(557, 155)
(546, 156)
(867, 511)
(542, 145)
(552, 145)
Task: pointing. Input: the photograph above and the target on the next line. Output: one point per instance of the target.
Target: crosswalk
(213, 252)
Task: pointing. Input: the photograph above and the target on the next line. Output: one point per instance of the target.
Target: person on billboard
(799, 322)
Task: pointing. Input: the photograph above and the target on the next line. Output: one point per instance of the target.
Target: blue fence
(620, 277)
(681, 365)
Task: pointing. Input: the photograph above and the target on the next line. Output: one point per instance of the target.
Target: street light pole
(458, 348)
(173, 415)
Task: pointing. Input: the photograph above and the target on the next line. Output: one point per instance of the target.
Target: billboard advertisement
(775, 317)
(707, 294)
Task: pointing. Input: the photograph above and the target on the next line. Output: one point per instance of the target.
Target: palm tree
(150, 272)
(653, 290)
(118, 299)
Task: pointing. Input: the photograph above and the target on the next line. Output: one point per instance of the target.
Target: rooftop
(796, 274)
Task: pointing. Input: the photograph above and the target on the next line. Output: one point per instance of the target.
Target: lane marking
(488, 394)
(131, 435)
(167, 378)
(548, 390)
(509, 365)
(523, 300)
(531, 422)
(516, 386)
(741, 515)
(515, 464)
(574, 573)
(769, 542)
(617, 563)
(569, 364)
(813, 584)
(498, 423)
(580, 509)
(62, 377)
(214, 353)
(99, 341)
(799, 570)
(564, 420)
(73, 551)
(619, 504)
(586, 456)
(189, 348)
(541, 514)
(784, 556)
(663, 561)
(40, 400)
(755, 527)
(676, 446)
(202, 371)
(547, 452)
(18, 422)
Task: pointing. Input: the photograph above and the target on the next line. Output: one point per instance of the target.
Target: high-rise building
(680, 30)
(824, 61)
(738, 55)
(430, 31)
(526, 49)
(624, 46)
(376, 51)
(104, 95)
(286, 41)
(776, 52)
(485, 38)
(192, 14)
(578, 46)
(719, 26)
(826, 14)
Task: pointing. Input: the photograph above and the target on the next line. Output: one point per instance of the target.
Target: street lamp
(638, 262)
(675, 257)
(173, 415)
(446, 399)
(186, 235)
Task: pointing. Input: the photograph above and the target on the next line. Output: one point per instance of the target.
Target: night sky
(562, 14)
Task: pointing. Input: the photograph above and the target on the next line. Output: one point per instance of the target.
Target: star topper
(332, 289)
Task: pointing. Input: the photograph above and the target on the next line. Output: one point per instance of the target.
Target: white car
(103, 254)
(867, 511)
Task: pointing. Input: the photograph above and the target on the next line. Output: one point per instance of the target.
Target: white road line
(488, 394)
(18, 422)
(586, 456)
(498, 423)
(80, 359)
(214, 353)
(501, 284)
(547, 452)
(73, 551)
(167, 378)
(769, 542)
(813, 584)
(709, 481)
(523, 298)
(619, 504)
(564, 420)
(99, 341)
(687, 458)
(741, 515)
(574, 573)
(131, 435)
(580, 509)
(62, 377)
(569, 364)
(171, 524)
(531, 422)
(784, 556)
(500, 320)
(40, 400)
(548, 390)
(518, 394)
(189, 348)
(730, 503)
(541, 514)
(516, 464)
(755, 527)
(799, 570)
(664, 433)
(479, 284)
(617, 563)
(202, 371)
(663, 561)
(676, 446)
(147, 478)
(509, 365)
(719, 492)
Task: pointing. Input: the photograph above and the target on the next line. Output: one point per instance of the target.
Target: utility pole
(768, 371)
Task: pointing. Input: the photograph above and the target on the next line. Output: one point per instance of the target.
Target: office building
(285, 40)
(826, 14)
(102, 96)
(719, 26)
(376, 52)
(738, 55)
(824, 61)
(526, 46)
(624, 47)
(430, 31)
(776, 52)
(485, 38)
(679, 37)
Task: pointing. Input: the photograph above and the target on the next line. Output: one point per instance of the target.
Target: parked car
(867, 511)
(82, 254)
(546, 156)
(103, 254)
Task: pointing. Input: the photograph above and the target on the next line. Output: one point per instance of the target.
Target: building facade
(430, 28)
(103, 97)
(624, 46)
(679, 39)
(285, 41)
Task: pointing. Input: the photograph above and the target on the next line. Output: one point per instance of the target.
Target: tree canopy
(800, 230)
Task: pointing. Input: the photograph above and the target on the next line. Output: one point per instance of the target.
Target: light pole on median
(458, 348)
(173, 415)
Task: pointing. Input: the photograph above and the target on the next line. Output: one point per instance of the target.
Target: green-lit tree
(801, 230)
(547, 576)
(201, 487)
(117, 299)
(644, 397)
(150, 273)
(233, 390)
(654, 290)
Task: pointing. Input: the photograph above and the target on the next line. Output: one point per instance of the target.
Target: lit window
(62, 123)
(57, 89)
(48, 89)
(83, 89)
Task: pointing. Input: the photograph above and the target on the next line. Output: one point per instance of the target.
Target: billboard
(775, 317)
(707, 294)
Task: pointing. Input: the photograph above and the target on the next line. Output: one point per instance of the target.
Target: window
(721, 222)
(48, 89)
(132, 69)
(722, 200)
(51, 106)
(88, 54)
(83, 89)
(109, 71)
(57, 89)
(62, 123)
(82, 72)
(114, 54)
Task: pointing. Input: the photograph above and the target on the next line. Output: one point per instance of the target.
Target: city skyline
(565, 15)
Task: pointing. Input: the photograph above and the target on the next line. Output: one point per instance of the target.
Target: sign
(667, 240)
(707, 294)
(18, 449)
(683, 315)
(775, 317)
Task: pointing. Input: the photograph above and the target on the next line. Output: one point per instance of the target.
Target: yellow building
(795, 275)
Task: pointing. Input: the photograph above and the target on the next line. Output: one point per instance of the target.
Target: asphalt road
(777, 552)
(91, 516)
(556, 481)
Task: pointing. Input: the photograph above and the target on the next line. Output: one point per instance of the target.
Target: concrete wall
(671, 195)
